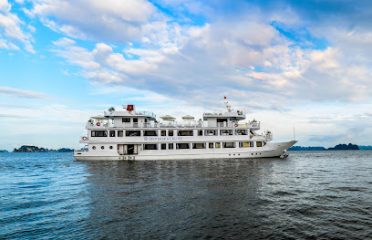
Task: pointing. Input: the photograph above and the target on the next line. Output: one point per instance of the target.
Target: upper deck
(129, 118)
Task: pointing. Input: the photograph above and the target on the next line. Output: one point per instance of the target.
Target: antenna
(228, 106)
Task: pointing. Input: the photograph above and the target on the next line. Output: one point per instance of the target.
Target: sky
(302, 65)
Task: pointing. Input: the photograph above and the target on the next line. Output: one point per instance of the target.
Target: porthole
(111, 147)
(102, 147)
(94, 147)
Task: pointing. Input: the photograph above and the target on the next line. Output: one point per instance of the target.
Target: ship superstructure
(132, 135)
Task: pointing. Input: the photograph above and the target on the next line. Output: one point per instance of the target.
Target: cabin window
(120, 133)
(125, 120)
(133, 133)
(102, 147)
(259, 144)
(111, 147)
(211, 145)
(198, 145)
(200, 132)
(94, 147)
(185, 133)
(149, 133)
(183, 146)
(150, 147)
(99, 134)
(222, 122)
(170, 145)
(217, 145)
(244, 144)
(210, 132)
(229, 145)
(163, 133)
(163, 146)
(241, 132)
(112, 133)
(135, 122)
(251, 144)
(226, 132)
(170, 133)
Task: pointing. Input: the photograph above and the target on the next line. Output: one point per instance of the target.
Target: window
(222, 122)
(226, 132)
(170, 133)
(125, 120)
(241, 132)
(259, 144)
(170, 145)
(112, 133)
(135, 122)
(150, 147)
(244, 144)
(200, 132)
(211, 145)
(198, 145)
(217, 145)
(251, 144)
(163, 133)
(183, 146)
(133, 133)
(120, 133)
(185, 133)
(102, 147)
(94, 147)
(99, 134)
(149, 133)
(228, 145)
(163, 146)
(111, 147)
(210, 132)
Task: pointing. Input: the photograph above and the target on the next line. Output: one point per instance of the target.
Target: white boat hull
(269, 150)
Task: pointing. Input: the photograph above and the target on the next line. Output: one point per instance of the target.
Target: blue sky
(287, 63)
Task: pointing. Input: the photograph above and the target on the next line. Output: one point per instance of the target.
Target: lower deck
(137, 152)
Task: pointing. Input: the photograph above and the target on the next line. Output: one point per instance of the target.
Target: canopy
(98, 117)
(168, 118)
(188, 117)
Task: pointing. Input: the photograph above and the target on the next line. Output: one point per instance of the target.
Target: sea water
(309, 195)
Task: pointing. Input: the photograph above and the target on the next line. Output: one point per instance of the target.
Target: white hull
(267, 151)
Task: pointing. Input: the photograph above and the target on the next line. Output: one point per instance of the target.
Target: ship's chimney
(130, 107)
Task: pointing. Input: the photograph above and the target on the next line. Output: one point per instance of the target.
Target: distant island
(349, 146)
(28, 148)
(3, 151)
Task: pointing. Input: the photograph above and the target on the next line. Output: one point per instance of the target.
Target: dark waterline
(310, 195)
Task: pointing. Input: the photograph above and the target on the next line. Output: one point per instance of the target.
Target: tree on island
(27, 148)
(349, 146)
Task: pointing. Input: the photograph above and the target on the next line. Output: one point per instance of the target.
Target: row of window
(163, 133)
(103, 147)
(211, 145)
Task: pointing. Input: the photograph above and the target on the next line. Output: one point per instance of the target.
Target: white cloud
(11, 32)
(120, 21)
(16, 92)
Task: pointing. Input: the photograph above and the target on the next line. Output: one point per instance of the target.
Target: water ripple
(311, 195)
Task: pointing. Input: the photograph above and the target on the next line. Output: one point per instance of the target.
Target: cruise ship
(132, 135)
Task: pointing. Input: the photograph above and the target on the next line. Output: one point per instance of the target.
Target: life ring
(98, 124)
